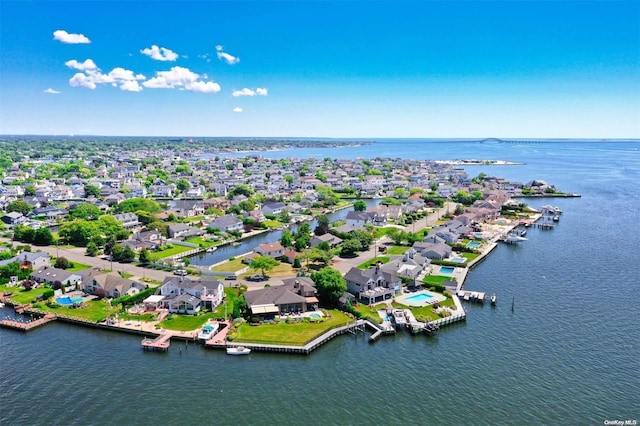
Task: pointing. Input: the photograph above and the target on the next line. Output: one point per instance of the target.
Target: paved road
(77, 254)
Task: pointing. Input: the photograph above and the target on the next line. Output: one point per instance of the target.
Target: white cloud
(51, 91)
(237, 109)
(82, 80)
(82, 66)
(160, 53)
(130, 86)
(123, 74)
(260, 91)
(65, 37)
(224, 56)
(183, 79)
(92, 76)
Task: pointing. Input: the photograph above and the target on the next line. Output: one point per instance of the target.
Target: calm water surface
(568, 353)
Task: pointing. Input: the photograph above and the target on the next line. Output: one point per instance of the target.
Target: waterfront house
(187, 296)
(13, 218)
(372, 285)
(331, 239)
(274, 208)
(274, 250)
(438, 251)
(57, 278)
(227, 223)
(297, 295)
(358, 219)
(182, 230)
(410, 265)
(111, 285)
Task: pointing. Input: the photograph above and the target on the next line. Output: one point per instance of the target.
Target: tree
(323, 225)
(144, 256)
(284, 217)
(302, 237)
(43, 237)
(91, 191)
(349, 248)
(92, 249)
(182, 185)
(133, 204)
(330, 285)
(241, 189)
(289, 179)
(85, 211)
(359, 206)
(264, 263)
(19, 206)
(63, 263)
(29, 191)
(286, 239)
(322, 256)
(122, 254)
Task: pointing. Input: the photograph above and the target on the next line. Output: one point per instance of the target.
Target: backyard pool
(315, 316)
(473, 244)
(68, 300)
(447, 270)
(458, 260)
(419, 298)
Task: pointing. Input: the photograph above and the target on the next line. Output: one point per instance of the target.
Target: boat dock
(219, 340)
(160, 343)
(309, 347)
(472, 296)
(27, 325)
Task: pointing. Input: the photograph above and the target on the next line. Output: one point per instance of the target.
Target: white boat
(208, 331)
(238, 350)
(513, 238)
(211, 249)
(494, 299)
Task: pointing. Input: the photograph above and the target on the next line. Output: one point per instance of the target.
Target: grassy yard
(157, 255)
(422, 314)
(77, 266)
(201, 242)
(368, 263)
(296, 334)
(22, 296)
(438, 279)
(469, 256)
(231, 265)
(95, 310)
(397, 249)
(185, 322)
(369, 313)
(272, 223)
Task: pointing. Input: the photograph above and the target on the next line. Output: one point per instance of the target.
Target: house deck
(26, 326)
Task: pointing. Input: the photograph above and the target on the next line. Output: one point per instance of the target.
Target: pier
(160, 343)
(28, 325)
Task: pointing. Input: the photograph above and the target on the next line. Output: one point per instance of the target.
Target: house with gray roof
(270, 301)
(57, 278)
(184, 295)
(372, 285)
(183, 230)
(111, 285)
(438, 251)
(227, 223)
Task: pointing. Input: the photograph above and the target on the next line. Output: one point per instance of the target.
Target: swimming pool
(447, 270)
(419, 298)
(458, 260)
(315, 316)
(66, 300)
(473, 244)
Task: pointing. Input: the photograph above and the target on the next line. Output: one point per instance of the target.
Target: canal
(247, 245)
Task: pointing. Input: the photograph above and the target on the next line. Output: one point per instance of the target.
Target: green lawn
(77, 266)
(368, 263)
(469, 256)
(22, 296)
(231, 265)
(156, 255)
(296, 334)
(201, 242)
(369, 313)
(397, 249)
(422, 314)
(438, 279)
(272, 223)
(95, 310)
(185, 322)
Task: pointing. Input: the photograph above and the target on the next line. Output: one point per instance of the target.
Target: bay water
(567, 353)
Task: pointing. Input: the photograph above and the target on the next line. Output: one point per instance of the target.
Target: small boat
(212, 249)
(556, 218)
(208, 331)
(494, 299)
(235, 243)
(238, 350)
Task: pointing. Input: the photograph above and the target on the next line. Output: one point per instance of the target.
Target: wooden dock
(160, 343)
(28, 325)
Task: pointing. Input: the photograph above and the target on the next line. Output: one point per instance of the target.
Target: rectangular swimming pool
(419, 298)
(473, 244)
(447, 270)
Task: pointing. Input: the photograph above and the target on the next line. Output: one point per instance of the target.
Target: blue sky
(321, 69)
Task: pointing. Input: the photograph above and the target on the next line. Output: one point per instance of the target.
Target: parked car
(230, 277)
(180, 272)
(257, 277)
